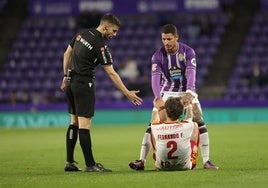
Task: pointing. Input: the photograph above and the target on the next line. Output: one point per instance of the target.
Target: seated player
(175, 142)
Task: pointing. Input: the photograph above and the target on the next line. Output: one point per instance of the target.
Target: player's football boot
(97, 168)
(71, 167)
(210, 165)
(137, 165)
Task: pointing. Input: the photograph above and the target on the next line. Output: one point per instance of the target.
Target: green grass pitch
(35, 157)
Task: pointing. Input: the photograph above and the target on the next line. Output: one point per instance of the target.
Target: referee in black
(84, 53)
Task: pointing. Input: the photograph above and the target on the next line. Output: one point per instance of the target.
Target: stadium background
(35, 33)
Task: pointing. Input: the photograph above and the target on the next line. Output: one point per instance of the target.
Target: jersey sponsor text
(168, 127)
(84, 42)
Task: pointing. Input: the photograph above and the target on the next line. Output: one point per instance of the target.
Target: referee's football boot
(71, 167)
(137, 165)
(210, 165)
(97, 168)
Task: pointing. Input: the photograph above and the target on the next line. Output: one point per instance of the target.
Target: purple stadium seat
(36, 84)
(254, 50)
(41, 43)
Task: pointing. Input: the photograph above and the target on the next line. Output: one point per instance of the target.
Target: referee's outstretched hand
(132, 97)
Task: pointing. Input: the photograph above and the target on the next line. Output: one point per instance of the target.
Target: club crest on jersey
(181, 57)
(154, 67)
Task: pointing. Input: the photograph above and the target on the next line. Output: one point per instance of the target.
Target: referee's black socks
(71, 138)
(85, 142)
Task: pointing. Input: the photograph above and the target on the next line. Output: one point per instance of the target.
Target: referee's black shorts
(81, 96)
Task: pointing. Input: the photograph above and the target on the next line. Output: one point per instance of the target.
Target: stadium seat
(36, 56)
(254, 50)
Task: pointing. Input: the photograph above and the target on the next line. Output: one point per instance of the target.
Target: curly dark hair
(174, 108)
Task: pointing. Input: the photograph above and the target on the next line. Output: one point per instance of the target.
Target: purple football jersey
(177, 71)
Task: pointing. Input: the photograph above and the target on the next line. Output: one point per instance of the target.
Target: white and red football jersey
(172, 145)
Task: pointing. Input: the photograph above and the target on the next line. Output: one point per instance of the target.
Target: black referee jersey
(89, 50)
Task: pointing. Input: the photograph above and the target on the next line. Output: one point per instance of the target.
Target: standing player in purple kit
(173, 75)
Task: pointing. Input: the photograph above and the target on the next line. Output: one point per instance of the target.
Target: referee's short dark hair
(169, 28)
(110, 18)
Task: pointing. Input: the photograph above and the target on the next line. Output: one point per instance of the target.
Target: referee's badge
(78, 37)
